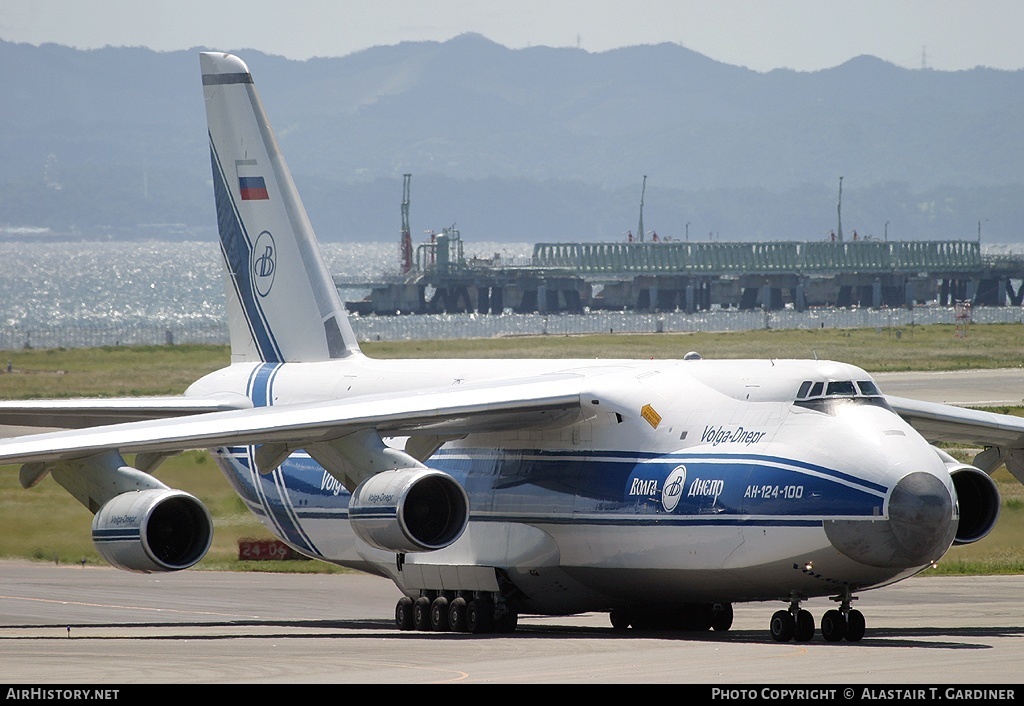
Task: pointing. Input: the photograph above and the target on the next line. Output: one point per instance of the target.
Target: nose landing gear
(795, 623)
(844, 622)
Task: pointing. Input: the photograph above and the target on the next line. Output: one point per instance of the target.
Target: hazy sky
(760, 34)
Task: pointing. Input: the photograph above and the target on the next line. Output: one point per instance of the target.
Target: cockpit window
(868, 388)
(828, 397)
(841, 388)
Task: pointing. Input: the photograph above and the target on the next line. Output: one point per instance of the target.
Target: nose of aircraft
(921, 517)
(920, 527)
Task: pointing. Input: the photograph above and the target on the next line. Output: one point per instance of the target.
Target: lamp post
(839, 209)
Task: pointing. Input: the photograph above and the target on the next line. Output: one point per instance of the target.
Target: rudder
(282, 302)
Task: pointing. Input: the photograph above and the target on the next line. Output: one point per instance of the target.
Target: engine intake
(412, 510)
(153, 530)
(978, 501)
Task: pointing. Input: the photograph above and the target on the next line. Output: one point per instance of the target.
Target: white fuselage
(682, 481)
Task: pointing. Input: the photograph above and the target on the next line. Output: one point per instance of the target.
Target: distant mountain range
(533, 144)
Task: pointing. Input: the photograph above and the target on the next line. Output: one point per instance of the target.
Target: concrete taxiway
(978, 388)
(101, 626)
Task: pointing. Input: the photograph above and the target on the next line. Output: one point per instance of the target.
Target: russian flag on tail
(252, 188)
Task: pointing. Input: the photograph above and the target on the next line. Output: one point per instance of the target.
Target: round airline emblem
(264, 263)
(672, 491)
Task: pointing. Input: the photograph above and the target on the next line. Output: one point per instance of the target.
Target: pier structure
(574, 277)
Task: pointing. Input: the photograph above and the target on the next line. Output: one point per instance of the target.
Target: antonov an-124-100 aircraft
(662, 492)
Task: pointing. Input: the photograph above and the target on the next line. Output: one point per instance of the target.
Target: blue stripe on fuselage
(271, 491)
(600, 489)
(292, 493)
(717, 486)
(259, 387)
(677, 457)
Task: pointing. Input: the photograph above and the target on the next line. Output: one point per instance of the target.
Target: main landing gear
(795, 623)
(695, 617)
(462, 611)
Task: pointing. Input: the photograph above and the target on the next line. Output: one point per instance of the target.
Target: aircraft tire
(421, 613)
(479, 616)
(457, 615)
(721, 617)
(403, 614)
(439, 614)
(508, 621)
(782, 626)
(833, 626)
(645, 619)
(804, 626)
(855, 626)
(619, 618)
(695, 617)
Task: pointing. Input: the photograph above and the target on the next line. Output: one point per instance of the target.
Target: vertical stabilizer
(282, 303)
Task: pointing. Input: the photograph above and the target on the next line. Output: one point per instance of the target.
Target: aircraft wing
(1000, 436)
(90, 412)
(943, 422)
(530, 402)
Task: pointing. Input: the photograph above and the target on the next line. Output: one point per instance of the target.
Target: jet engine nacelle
(410, 510)
(978, 500)
(153, 530)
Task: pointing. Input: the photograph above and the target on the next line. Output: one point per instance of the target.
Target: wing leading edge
(80, 413)
(1000, 435)
(531, 402)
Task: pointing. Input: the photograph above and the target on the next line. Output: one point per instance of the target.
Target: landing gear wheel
(804, 626)
(619, 618)
(721, 617)
(508, 620)
(457, 615)
(855, 626)
(479, 616)
(403, 613)
(421, 613)
(696, 617)
(782, 626)
(439, 614)
(645, 619)
(833, 626)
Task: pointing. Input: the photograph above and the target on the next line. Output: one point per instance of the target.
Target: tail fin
(282, 302)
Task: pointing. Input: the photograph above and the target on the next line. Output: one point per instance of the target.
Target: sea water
(92, 293)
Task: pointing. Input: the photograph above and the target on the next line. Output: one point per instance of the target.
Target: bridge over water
(666, 276)
(868, 256)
